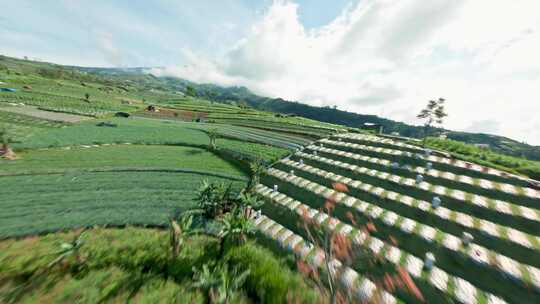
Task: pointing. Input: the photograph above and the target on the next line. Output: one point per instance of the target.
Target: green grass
(487, 157)
(121, 156)
(134, 265)
(42, 203)
(143, 131)
(21, 126)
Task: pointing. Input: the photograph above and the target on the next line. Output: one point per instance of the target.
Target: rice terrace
(139, 185)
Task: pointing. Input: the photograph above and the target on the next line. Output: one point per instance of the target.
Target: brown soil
(7, 153)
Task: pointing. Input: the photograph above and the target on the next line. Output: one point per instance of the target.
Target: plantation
(135, 265)
(478, 226)
(39, 203)
(261, 207)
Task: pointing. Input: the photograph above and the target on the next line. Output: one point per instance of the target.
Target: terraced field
(48, 190)
(21, 126)
(480, 226)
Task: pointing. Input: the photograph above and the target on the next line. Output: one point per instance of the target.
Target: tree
(69, 249)
(190, 91)
(257, 168)
(179, 231)
(5, 138)
(218, 283)
(433, 113)
(213, 135)
(214, 199)
(87, 97)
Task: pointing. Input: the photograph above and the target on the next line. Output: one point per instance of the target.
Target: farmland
(451, 230)
(415, 205)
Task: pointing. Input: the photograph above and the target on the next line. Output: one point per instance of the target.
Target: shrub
(270, 280)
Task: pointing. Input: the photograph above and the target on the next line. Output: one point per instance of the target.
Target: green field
(34, 204)
(135, 265)
(117, 156)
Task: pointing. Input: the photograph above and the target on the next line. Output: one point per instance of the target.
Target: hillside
(122, 187)
(499, 144)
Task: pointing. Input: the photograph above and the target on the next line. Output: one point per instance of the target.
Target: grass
(21, 126)
(487, 157)
(132, 264)
(121, 156)
(37, 204)
(143, 131)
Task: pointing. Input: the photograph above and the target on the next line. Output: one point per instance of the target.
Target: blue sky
(136, 32)
(381, 57)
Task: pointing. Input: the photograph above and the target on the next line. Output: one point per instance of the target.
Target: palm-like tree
(213, 135)
(5, 138)
(69, 249)
(180, 231)
(206, 280)
(236, 226)
(257, 168)
(434, 112)
(231, 282)
(218, 284)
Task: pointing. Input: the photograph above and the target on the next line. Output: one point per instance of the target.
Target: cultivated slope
(419, 204)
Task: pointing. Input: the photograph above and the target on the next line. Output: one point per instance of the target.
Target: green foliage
(180, 231)
(190, 91)
(433, 113)
(35, 204)
(257, 168)
(236, 226)
(487, 157)
(212, 135)
(218, 283)
(215, 198)
(69, 249)
(268, 279)
(122, 157)
(133, 264)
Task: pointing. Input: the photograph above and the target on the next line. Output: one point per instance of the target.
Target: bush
(489, 158)
(270, 280)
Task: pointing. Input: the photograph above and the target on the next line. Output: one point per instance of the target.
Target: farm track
(48, 115)
(124, 169)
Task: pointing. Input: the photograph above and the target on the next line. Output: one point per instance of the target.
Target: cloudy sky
(379, 57)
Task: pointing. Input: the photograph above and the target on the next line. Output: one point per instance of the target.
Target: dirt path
(35, 112)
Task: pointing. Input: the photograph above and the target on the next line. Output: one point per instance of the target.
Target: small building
(373, 126)
(443, 135)
(8, 90)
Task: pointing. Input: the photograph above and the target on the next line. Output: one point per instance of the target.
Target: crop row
(457, 167)
(508, 213)
(430, 279)
(513, 242)
(372, 140)
(361, 288)
(418, 238)
(36, 204)
(524, 196)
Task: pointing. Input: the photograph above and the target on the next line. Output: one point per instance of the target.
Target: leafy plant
(213, 135)
(179, 231)
(433, 113)
(214, 198)
(257, 168)
(67, 250)
(218, 283)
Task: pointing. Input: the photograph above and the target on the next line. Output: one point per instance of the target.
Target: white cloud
(389, 57)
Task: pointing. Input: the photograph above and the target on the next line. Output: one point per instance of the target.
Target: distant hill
(237, 94)
(140, 78)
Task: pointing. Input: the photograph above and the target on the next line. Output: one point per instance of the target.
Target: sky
(380, 57)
